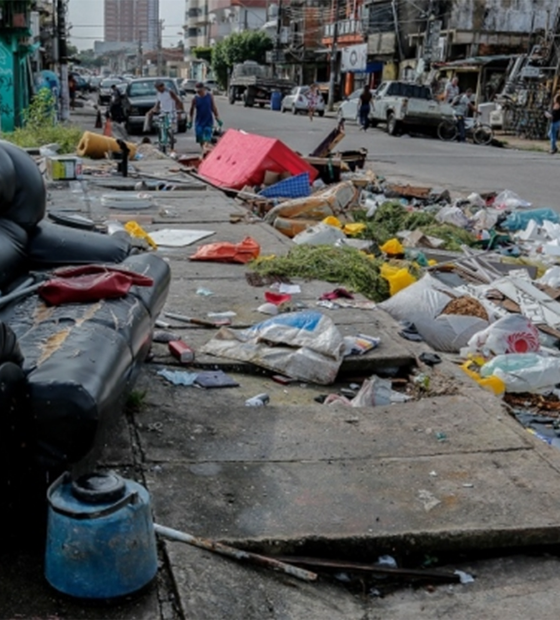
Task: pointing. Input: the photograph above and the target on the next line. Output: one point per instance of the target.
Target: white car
(348, 109)
(296, 102)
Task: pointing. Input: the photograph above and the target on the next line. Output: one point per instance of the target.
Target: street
(460, 167)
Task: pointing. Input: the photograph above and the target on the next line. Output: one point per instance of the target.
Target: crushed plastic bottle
(260, 400)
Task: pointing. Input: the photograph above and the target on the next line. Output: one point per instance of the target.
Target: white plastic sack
(485, 219)
(449, 333)
(319, 234)
(476, 200)
(527, 372)
(551, 277)
(512, 334)
(426, 298)
(452, 215)
(303, 345)
(510, 200)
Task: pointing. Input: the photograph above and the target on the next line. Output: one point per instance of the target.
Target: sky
(86, 17)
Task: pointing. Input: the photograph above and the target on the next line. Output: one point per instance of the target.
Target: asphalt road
(460, 167)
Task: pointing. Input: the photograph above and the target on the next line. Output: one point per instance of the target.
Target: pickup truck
(253, 83)
(401, 104)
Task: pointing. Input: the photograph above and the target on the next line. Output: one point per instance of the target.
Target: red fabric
(277, 298)
(225, 252)
(241, 159)
(90, 283)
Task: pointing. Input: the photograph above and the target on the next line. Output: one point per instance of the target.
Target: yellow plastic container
(96, 146)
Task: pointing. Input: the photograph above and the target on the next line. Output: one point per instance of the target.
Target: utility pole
(160, 48)
(140, 61)
(334, 53)
(63, 59)
(278, 31)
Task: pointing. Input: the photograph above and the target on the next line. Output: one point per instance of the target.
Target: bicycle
(482, 134)
(166, 135)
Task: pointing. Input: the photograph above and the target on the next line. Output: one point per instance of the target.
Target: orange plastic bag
(225, 252)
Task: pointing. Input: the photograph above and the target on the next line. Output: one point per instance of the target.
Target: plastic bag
(485, 219)
(519, 220)
(525, 372)
(425, 298)
(303, 345)
(398, 278)
(449, 332)
(510, 200)
(551, 277)
(492, 383)
(225, 252)
(452, 215)
(476, 200)
(320, 234)
(392, 247)
(511, 334)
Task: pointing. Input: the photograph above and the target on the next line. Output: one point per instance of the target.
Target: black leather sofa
(64, 370)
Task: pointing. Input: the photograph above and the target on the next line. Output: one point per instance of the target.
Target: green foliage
(40, 126)
(237, 48)
(391, 217)
(346, 266)
(202, 53)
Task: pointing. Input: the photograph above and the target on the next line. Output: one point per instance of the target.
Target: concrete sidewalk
(450, 471)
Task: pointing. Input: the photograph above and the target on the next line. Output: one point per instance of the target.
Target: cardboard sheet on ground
(178, 237)
(241, 159)
(302, 345)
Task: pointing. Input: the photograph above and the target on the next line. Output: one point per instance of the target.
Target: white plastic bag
(303, 345)
(423, 299)
(551, 277)
(510, 200)
(319, 234)
(476, 200)
(512, 334)
(452, 215)
(526, 372)
(449, 332)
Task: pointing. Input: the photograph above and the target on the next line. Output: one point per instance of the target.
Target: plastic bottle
(260, 400)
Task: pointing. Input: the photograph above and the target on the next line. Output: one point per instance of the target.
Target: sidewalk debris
(224, 252)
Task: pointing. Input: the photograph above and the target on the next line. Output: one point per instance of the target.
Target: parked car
(296, 102)
(348, 109)
(94, 83)
(211, 85)
(405, 104)
(188, 85)
(179, 85)
(140, 97)
(104, 96)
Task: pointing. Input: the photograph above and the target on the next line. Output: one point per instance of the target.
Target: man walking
(203, 111)
(451, 91)
(166, 102)
(463, 105)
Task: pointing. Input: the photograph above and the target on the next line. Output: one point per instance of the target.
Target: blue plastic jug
(100, 536)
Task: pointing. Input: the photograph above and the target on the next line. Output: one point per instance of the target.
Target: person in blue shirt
(204, 112)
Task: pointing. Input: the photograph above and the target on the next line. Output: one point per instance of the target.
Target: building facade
(132, 21)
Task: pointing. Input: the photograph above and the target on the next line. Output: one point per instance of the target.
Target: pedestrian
(312, 100)
(463, 104)
(72, 91)
(203, 112)
(554, 116)
(364, 107)
(451, 91)
(167, 101)
(115, 107)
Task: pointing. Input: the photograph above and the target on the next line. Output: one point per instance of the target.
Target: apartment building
(131, 21)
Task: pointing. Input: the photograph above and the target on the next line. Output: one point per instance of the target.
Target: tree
(202, 53)
(237, 48)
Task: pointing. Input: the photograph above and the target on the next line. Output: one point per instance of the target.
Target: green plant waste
(346, 266)
(391, 217)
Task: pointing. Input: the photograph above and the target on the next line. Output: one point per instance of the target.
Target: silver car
(297, 103)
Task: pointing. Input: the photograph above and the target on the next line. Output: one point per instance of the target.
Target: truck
(253, 84)
(405, 104)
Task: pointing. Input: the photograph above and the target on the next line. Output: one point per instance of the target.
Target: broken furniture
(64, 370)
